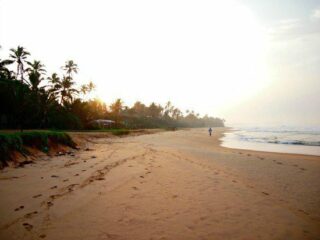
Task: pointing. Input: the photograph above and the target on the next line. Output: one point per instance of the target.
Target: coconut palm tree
(70, 67)
(67, 91)
(19, 55)
(36, 70)
(36, 66)
(55, 82)
(84, 89)
(91, 86)
(54, 79)
(87, 88)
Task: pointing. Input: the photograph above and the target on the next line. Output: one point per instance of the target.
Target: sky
(251, 62)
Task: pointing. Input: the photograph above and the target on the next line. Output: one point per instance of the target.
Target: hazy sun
(204, 56)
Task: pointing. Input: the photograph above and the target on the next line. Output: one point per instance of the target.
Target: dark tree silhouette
(29, 99)
(19, 55)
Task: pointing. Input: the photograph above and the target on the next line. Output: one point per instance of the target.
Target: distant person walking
(210, 131)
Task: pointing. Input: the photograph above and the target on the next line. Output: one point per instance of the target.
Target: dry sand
(169, 185)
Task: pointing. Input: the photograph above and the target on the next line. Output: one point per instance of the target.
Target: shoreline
(168, 185)
(303, 150)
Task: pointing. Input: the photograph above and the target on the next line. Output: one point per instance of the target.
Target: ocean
(299, 140)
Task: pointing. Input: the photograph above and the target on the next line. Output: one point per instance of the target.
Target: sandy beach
(169, 185)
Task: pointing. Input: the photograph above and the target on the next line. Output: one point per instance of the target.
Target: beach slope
(169, 185)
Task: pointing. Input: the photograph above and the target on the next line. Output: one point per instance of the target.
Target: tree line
(33, 99)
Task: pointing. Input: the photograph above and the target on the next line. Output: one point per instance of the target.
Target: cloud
(288, 24)
(315, 13)
(293, 29)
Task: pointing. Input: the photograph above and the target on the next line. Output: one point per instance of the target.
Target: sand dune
(169, 185)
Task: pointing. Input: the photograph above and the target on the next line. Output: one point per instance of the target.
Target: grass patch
(114, 131)
(120, 132)
(171, 128)
(10, 142)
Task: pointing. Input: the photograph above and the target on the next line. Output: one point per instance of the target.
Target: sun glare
(218, 54)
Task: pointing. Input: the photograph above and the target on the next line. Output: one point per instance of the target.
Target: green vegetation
(120, 132)
(33, 99)
(10, 142)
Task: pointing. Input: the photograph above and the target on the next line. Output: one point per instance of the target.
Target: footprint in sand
(54, 187)
(76, 174)
(190, 227)
(265, 193)
(49, 204)
(54, 176)
(300, 210)
(248, 155)
(135, 188)
(27, 226)
(54, 196)
(142, 176)
(42, 236)
(19, 208)
(66, 180)
(29, 215)
(303, 169)
(234, 181)
(84, 170)
(280, 163)
(38, 195)
(174, 196)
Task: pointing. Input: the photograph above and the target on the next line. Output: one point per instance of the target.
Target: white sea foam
(304, 140)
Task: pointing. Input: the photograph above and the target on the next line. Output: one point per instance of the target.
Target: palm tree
(36, 66)
(19, 55)
(35, 71)
(55, 85)
(84, 89)
(70, 67)
(62, 88)
(54, 78)
(67, 91)
(87, 88)
(168, 109)
(91, 86)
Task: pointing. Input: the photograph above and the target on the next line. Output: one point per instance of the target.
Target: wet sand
(168, 185)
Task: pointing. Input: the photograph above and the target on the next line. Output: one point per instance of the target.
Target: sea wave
(279, 136)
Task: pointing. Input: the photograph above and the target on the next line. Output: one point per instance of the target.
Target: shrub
(10, 142)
